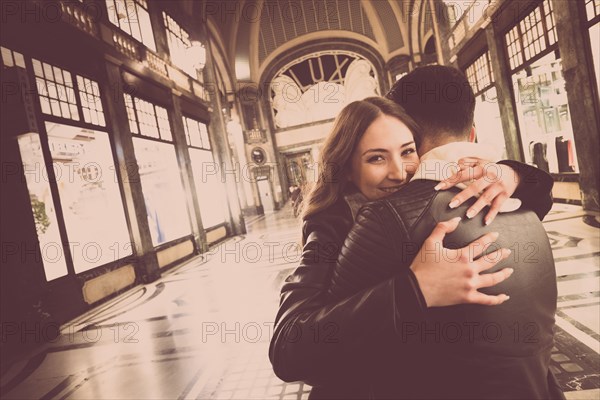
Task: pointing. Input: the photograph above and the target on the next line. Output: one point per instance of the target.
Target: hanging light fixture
(196, 55)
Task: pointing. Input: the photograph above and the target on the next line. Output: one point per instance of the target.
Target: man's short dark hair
(438, 98)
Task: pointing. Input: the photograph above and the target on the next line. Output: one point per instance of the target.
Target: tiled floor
(202, 331)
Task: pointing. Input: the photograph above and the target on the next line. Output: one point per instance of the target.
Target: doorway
(266, 195)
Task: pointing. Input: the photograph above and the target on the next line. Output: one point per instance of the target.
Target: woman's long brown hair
(348, 128)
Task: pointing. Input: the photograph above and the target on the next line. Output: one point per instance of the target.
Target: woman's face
(384, 159)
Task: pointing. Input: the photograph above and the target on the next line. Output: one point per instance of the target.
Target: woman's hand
(497, 182)
(448, 277)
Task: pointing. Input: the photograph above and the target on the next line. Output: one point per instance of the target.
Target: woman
(305, 344)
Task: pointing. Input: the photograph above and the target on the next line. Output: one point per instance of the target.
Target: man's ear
(472, 135)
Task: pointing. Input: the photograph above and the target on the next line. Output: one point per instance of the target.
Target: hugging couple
(408, 286)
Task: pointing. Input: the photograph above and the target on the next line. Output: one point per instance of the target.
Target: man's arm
(497, 182)
(535, 187)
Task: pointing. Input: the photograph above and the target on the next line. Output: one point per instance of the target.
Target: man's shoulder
(416, 192)
(407, 204)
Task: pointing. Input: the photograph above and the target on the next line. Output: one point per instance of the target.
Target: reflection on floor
(202, 331)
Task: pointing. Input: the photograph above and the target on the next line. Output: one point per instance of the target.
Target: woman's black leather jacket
(331, 345)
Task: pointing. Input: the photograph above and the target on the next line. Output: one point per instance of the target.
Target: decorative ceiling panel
(285, 20)
(388, 20)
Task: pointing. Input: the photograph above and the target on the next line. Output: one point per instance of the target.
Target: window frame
(136, 3)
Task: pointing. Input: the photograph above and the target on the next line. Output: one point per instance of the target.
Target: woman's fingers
(487, 280)
(495, 208)
(490, 194)
(478, 246)
(469, 169)
(441, 229)
(461, 176)
(446, 281)
(463, 196)
(488, 300)
(489, 260)
(490, 191)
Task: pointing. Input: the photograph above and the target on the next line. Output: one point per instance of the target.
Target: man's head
(440, 100)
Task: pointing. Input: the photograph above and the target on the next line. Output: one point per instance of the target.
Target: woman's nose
(397, 171)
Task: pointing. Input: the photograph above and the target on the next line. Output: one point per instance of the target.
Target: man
(465, 351)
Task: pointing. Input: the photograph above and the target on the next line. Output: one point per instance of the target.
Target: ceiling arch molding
(368, 52)
(425, 24)
(243, 33)
(414, 26)
(401, 17)
(220, 56)
(376, 23)
(329, 37)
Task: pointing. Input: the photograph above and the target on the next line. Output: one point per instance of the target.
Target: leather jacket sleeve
(535, 189)
(324, 341)
(370, 254)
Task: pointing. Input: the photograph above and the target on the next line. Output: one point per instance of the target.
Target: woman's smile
(390, 190)
(384, 159)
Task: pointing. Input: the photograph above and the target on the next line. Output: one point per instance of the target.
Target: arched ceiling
(255, 32)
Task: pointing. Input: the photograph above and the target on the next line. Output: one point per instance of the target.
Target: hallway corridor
(202, 331)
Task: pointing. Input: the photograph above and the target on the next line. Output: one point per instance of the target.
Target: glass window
(179, 41)
(529, 38)
(147, 119)
(163, 191)
(207, 175)
(318, 86)
(209, 188)
(89, 195)
(488, 123)
(480, 73)
(515, 52)
(592, 8)
(196, 133)
(132, 17)
(55, 90)
(11, 58)
(42, 206)
(58, 97)
(544, 117)
(91, 103)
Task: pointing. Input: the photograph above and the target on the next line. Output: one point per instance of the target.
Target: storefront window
(209, 188)
(544, 117)
(89, 195)
(488, 123)
(42, 206)
(163, 191)
(540, 95)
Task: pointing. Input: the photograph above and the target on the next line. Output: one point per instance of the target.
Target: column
(577, 69)
(146, 268)
(185, 166)
(508, 113)
(218, 133)
(441, 30)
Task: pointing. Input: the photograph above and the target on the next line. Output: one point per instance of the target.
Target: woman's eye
(407, 152)
(374, 159)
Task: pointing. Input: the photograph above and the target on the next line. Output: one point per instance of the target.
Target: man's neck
(428, 145)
